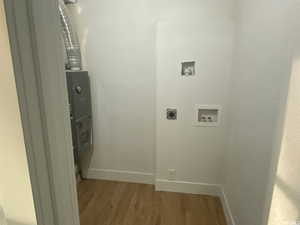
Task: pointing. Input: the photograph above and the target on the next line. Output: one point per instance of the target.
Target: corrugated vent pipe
(70, 39)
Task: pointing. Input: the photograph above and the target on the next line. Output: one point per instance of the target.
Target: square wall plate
(207, 115)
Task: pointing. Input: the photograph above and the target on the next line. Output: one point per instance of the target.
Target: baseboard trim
(187, 187)
(121, 175)
(226, 208)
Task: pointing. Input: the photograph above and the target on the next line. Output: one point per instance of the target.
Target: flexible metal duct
(70, 39)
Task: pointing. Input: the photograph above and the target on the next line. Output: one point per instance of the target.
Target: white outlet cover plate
(207, 107)
(171, 174)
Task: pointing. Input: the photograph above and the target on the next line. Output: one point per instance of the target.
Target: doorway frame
(34, 30)
(38, 62)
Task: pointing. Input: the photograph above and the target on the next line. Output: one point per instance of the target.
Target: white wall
(122, 43)
(2, 214)
(15, 188)
(285, 207)
(262, 70)
(200, 31)
(118, 41)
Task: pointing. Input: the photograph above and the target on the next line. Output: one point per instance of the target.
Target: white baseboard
(121, 175)
(227, 209)
(187, 187)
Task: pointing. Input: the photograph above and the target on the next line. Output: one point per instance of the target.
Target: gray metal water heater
(78, 83)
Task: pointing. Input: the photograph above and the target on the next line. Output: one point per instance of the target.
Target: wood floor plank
(120, 203)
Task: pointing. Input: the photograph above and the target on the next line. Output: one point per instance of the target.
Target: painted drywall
(285, 207)
(200, 31)
(2, 214)
(2, 217)
(15, 189)
(118, 45)
(285, 204)
(122, 44)
(262, 69)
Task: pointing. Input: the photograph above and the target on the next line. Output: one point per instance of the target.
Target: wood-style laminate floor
(120, 203)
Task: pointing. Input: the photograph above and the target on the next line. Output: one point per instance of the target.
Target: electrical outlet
(171, 114)
(171, 174)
